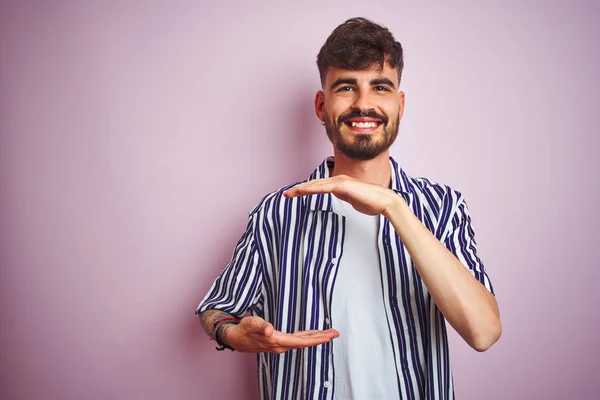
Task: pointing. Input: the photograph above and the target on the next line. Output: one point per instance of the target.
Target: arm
(255, 335)
(465, 303)
(236, 290)
(208, 319)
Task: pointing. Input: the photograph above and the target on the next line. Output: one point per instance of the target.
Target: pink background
(135, 139)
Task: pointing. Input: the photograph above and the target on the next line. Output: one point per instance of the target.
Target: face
(361, 110)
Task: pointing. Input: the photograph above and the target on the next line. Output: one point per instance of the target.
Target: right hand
(255, 335)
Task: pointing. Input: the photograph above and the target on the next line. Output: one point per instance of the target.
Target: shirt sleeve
(461, 242)
(239, 285)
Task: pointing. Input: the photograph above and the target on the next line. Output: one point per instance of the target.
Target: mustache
(358, 114)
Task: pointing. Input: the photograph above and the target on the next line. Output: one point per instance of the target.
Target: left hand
(364, 197)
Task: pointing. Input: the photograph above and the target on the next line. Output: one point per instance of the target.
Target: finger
(315, 187)
(315, 333)
(283, 341)
(289, 340)
(306, 333)
(279, 350)
(310, 341)
(318, 183)
(311, 335)
(331, 330)
(303, 186)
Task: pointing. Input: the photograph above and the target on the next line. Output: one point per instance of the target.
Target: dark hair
(359, 44)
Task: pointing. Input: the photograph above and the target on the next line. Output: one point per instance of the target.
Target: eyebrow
(343, 81)
(382, 81)
(353, 81)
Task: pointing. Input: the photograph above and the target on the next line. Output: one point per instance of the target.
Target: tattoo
(208, 319)
(221, 331)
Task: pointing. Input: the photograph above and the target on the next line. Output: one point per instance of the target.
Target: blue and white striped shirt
(284, 267)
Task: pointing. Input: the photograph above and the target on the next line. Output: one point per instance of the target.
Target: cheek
(338, 107)
(392, 108)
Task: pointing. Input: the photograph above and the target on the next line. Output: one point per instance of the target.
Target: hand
(364, 197)
(255, 335)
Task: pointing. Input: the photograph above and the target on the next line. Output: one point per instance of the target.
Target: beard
(362, 146)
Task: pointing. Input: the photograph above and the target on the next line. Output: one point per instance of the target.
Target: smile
(362, 124)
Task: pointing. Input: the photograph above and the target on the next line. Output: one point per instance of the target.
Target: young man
(360, 247)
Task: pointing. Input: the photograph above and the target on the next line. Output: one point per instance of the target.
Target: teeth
(364, 124)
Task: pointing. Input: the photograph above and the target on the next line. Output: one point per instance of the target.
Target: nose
(362, 101)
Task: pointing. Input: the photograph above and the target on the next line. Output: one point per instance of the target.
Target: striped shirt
(284, 267)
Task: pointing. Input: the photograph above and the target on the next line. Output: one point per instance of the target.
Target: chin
(360, 154)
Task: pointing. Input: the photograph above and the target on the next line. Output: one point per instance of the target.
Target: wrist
(396, 206)
(227, 318)
(221, 335)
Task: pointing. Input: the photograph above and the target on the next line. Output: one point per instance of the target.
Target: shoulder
(435, 204)
(429, 186)
(422, 188)
(435, 195)
(274, 203)
(275, 209)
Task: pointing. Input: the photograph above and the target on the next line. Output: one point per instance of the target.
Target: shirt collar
(323, 202)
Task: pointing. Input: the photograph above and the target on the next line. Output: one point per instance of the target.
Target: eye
(345, 89)
(381, 88)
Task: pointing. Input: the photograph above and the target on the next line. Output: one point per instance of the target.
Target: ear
(320, 105)
(401, 107)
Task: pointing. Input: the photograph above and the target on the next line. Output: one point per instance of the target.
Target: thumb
(268, 329)
(259, 325)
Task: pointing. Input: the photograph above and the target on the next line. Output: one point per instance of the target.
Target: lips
(363, 124)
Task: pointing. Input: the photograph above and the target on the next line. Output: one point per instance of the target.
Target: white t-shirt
(363, 355)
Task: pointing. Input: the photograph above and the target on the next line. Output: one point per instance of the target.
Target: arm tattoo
(208, 319)
(221, 332)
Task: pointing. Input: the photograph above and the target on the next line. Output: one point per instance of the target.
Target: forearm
(255, 335)
(208, 319)
(465, 303)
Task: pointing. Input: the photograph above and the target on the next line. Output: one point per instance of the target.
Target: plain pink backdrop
(136, 137)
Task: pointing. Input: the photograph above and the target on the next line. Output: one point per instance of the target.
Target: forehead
(362, 75)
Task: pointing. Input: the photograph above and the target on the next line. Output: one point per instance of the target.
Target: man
(361, 247)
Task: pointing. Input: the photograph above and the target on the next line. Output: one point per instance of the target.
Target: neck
(376, 171)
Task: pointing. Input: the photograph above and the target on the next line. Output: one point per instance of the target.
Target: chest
(330, 251)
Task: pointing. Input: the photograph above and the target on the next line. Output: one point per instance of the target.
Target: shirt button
(327, 321)
(334, 260)
(327, 384)
(404, 364)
